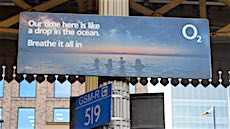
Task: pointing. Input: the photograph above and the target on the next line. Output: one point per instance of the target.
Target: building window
(189, 103)
(27, 89)
(62, 90)
(132, 88)
(61, 115)
(2, 88)
(26, 118)
(1, 116)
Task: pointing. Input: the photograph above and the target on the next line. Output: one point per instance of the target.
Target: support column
(202, 8)
(120, 98)
(120, 106)
(114, 7)
(91, 83)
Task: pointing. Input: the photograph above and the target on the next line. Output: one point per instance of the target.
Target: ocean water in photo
(114, 65)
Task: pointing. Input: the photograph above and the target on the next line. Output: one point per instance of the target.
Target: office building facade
(192, 107)
(36, 105)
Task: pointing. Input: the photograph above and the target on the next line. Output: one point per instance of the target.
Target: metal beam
(202, 8)
(215, 3)
(219, 34)
(223, 32)
(82, 5)
(227, 2)
(48, 5)
(225, 29)
(6, 3)
(90, 5)
(22, 4)
(42, 7)
(10, 21)
(9, 31)
(169, 6)
(143, 10)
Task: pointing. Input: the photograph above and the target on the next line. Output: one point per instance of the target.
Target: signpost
(93, 108)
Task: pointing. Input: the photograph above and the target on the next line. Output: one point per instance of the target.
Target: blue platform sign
(93, 108)
(92, 45)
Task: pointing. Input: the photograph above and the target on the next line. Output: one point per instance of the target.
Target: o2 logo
(195, 34)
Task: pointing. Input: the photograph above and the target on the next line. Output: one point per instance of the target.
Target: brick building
(42, 105)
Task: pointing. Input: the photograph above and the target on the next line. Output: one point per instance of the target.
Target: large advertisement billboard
(51, 43)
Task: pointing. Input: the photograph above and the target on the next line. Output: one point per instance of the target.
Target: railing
(133, 80)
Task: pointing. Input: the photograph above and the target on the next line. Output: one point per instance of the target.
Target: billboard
(51, 43)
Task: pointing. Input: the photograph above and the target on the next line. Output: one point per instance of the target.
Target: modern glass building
(192, 107)
(189, 104)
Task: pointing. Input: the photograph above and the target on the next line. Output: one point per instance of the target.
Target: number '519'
(90, 113)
